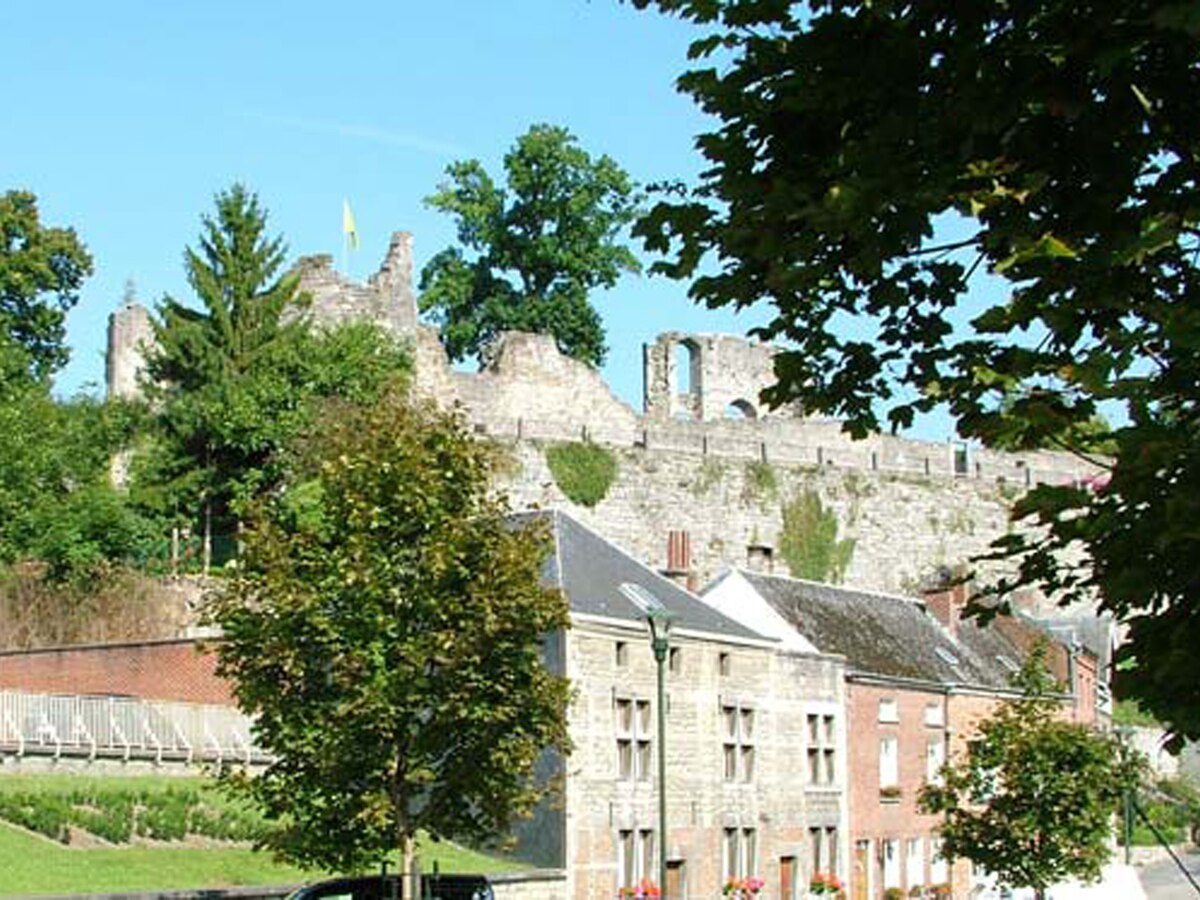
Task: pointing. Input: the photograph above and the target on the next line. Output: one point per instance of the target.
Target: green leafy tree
(1032, 802)
(809, 541)
(385, 627)
(872, 160)
(41, 271)
(57, 503)
(236, 379)
(530, 253)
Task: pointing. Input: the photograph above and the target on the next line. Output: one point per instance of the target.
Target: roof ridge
(868, 592)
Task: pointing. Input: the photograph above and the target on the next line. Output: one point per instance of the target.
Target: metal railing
(92, 726)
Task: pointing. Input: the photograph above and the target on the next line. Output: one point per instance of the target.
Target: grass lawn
(30, 864)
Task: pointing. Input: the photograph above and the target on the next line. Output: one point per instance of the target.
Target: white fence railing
(124, 727)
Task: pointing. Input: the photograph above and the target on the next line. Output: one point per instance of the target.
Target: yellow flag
(348, 227)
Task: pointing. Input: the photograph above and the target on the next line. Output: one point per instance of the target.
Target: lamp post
(658, 618)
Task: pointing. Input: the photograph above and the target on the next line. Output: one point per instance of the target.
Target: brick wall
(875, 817)
(154, 670)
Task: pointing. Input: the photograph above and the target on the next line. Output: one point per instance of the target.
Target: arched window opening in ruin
(687, 368)
(741, 409)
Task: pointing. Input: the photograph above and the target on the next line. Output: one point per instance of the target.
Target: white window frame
(935, 758)
(939, 868)
(889, 850)
(914, 861)
(889, 761)
(935, 715)
(889, 710)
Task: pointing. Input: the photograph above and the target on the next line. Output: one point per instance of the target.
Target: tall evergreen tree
(236, 379)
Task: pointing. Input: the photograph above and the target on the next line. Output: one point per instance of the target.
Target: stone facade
(768, 813)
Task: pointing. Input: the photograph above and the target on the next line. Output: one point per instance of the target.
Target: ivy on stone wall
(761, 484)
(583, 471)
(809, 541)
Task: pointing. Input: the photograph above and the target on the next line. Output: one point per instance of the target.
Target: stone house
(742, 713)
(917, 687)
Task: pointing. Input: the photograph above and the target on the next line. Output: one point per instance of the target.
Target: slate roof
(887, 635)
(591, 570)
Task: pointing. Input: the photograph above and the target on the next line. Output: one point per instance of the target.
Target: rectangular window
(626, 859)
(724, 666)
(889, 762)
(935, 758)
(891, 863)
(816, 841)
(935, 715)
(729, 854)
(646, 863)
(622, 654)
(938, 870)
(889, 710)
(635, 856)
(831, 854)
(749, 862)
(914, 863)
(675, 660)
(739, 853)
(737, 726)
(822, 733)
(633, 739)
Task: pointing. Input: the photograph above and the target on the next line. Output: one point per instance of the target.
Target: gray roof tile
(887, 635)
(591, 571)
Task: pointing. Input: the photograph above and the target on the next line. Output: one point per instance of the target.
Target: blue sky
(126, 117)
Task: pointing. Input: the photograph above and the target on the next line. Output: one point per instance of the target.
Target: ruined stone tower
(702, 377)
(385, 299)
(129, 335)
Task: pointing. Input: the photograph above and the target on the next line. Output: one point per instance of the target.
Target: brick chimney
(679, 559)
(946, 603)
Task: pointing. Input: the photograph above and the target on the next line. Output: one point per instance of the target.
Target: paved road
(1164, 881)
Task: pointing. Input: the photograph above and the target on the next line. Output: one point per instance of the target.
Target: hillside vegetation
(64, 834)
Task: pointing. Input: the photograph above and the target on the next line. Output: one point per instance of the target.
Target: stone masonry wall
(908, 506)
(903, 526)
(701, 803)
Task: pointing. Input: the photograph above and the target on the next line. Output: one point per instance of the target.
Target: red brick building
(919, 680)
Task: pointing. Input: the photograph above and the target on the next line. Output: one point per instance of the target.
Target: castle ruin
(704, 468)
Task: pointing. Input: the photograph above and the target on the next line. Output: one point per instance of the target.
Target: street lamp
(658, 618)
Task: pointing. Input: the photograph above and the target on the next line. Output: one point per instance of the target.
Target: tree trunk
(410, 878)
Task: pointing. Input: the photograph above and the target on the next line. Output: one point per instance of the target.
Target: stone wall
(385, 299)
(903, 526)
(702, 804)
(908, 506)
(707, 377)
